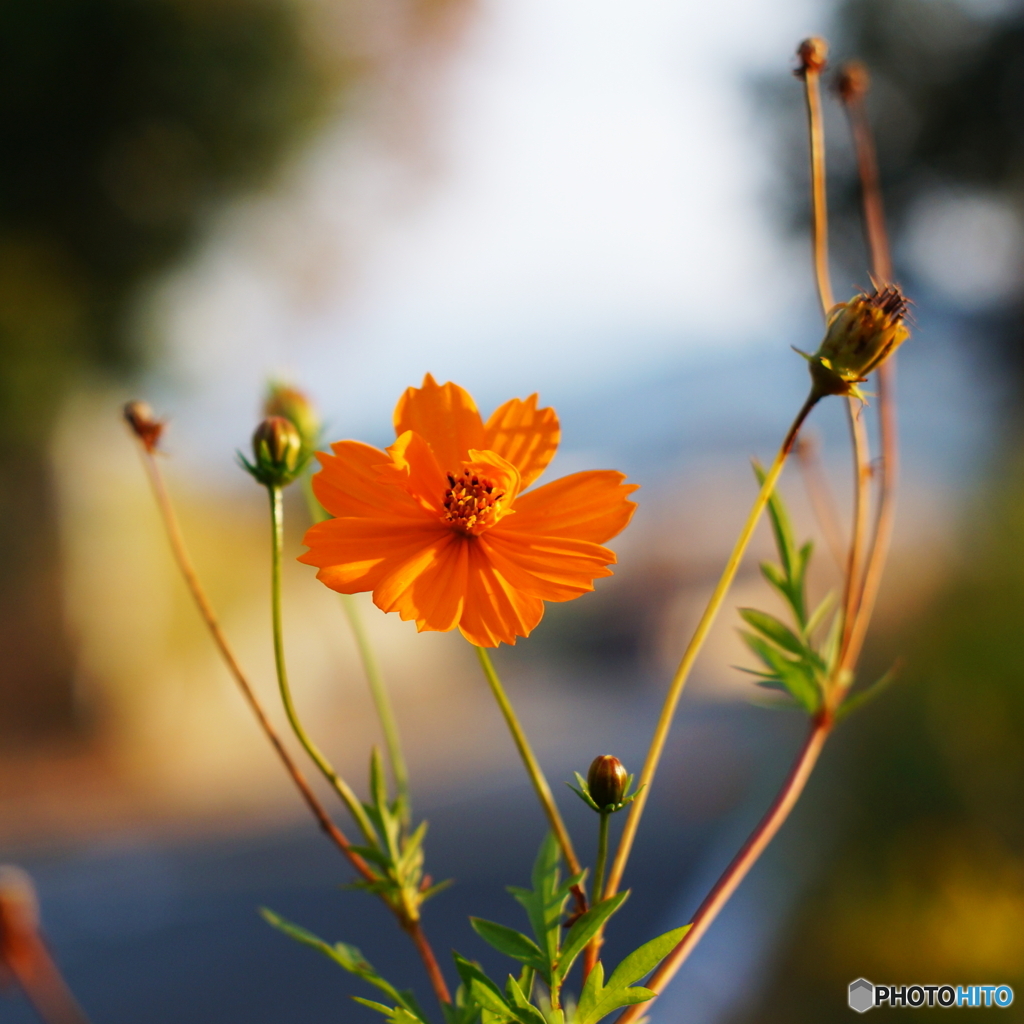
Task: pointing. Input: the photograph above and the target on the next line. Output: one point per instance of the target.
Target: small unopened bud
(145, 426)
(277, 452)
(853, 81)
(860, 335)
(813, 56)
(293, 405)
(607, 781)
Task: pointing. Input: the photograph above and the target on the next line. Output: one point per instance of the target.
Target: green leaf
(517, 997)
(774, 630)
(584, 929)
(510, 942)
(642, 961)
(351, 960)
(797, 677)
(599, 1000)
(857, 700)
(817, 617)
(781, 526)
(545, 902)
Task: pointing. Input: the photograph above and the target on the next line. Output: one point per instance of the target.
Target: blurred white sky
(594, 201)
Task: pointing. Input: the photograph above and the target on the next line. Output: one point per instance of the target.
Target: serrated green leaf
(774, 630)
(598, 1000)
(584, 929)
(510, 942)
(545, 902)
(519, 1001)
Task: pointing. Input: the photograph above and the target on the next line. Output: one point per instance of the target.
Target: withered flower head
(607, 780)
(813, 56)
(853, 81)
(294, 405)
(145, 426)
(860, 335)
(277, 452)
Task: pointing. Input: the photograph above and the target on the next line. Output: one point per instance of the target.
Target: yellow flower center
(470, 502)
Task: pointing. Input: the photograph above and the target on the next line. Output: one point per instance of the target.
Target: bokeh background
(604, 203)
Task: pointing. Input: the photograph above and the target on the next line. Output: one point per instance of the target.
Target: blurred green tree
(124, 124)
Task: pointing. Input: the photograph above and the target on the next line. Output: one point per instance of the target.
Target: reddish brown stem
(741, 863)
(23, 953)
(415, 931)
(184, 562)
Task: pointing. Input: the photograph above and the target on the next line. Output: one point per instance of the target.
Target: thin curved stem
(881, 265)
(341, 787)
(533, 769)
(372, 671)
(879, 550)
(693, 649)
(819, 207)
(381, 700)
(740, 865)
(593, 950)
(184, 561)
(861, 519)
(821, 498)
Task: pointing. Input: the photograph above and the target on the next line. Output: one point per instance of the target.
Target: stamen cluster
(470, 501)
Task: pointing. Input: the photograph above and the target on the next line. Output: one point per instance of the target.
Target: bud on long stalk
(607, 780)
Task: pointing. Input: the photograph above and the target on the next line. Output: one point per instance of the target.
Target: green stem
(700, 634)
(341, 787)
(533, 769)
(371, 668)
(602, 858)
(381, 700)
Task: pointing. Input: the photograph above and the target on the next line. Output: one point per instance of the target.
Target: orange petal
(495, 611)
(551, 568)
(355, 553)
(433, 590)
(588, 506)
(414, 469)
(445, 416)
(349, 484)
(525, 435)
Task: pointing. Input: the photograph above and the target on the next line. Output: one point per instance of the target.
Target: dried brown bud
(813, 56)
(853, 81)
(607, 781)
(145, 426)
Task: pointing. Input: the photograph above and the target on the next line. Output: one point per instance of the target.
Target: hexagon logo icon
(862, 995)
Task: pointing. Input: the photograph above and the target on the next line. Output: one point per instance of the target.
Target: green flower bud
(293, 405)
(277, 452)
(860, 335)
(607, 781)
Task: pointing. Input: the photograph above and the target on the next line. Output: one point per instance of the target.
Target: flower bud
(145, 426)
(293, 405)
(277, 451)
(853, 81)
(860, 335)
(607, 781)
(813, 56)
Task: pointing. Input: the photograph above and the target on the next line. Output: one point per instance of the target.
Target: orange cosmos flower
(439, 528)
